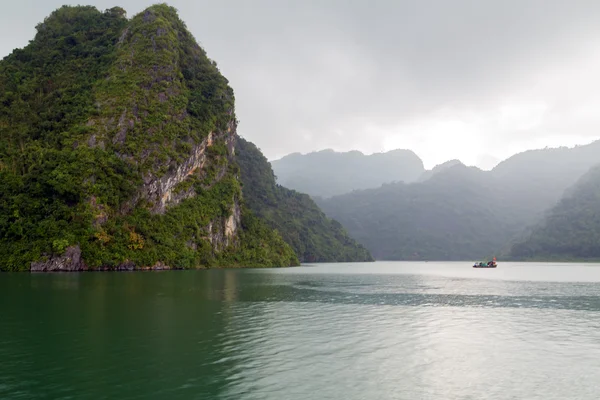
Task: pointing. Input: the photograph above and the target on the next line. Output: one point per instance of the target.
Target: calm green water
(360, 331)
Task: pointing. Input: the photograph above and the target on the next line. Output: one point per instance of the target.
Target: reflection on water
(360, 331)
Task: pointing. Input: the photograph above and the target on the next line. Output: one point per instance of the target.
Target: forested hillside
(571, 229)
(455, 215)
(296, 217)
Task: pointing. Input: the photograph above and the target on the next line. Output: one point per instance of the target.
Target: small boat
(489, 264)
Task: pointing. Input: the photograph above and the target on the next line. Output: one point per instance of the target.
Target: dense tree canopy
(301, 223)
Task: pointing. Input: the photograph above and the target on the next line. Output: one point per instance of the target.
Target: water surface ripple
(345, 331)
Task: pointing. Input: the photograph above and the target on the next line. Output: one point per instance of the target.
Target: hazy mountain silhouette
(328, 173)
(437, 169)
(570, 229)
(457, 212)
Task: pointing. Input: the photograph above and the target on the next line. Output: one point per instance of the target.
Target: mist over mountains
(451, 212)
(328, 173)
(570, 229)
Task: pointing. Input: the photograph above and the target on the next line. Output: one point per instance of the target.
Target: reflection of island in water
(221, 285)
(166, 331)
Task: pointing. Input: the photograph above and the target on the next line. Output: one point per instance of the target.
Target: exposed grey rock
(123, 35)
(149, 16)
(69, 261)
(159, 190)
(122, 133)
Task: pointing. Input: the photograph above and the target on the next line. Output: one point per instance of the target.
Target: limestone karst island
(119, 150)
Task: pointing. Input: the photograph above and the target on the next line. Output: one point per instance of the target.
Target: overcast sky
(474, 80)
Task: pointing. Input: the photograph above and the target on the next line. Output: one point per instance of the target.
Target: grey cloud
(360, 74)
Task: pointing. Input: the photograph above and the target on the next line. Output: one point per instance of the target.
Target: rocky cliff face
(160, 191)
(162, 84)
(223, 231)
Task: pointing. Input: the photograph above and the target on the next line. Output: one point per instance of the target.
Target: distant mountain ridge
(437, 169)
(454, 212)
(328, 173)
(454, 215)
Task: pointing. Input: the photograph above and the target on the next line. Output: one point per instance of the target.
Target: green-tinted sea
(330, 331)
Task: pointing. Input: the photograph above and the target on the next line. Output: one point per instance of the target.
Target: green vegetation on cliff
(301, 223)
(117, 139)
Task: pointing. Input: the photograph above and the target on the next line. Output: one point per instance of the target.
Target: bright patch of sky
(468, 80)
